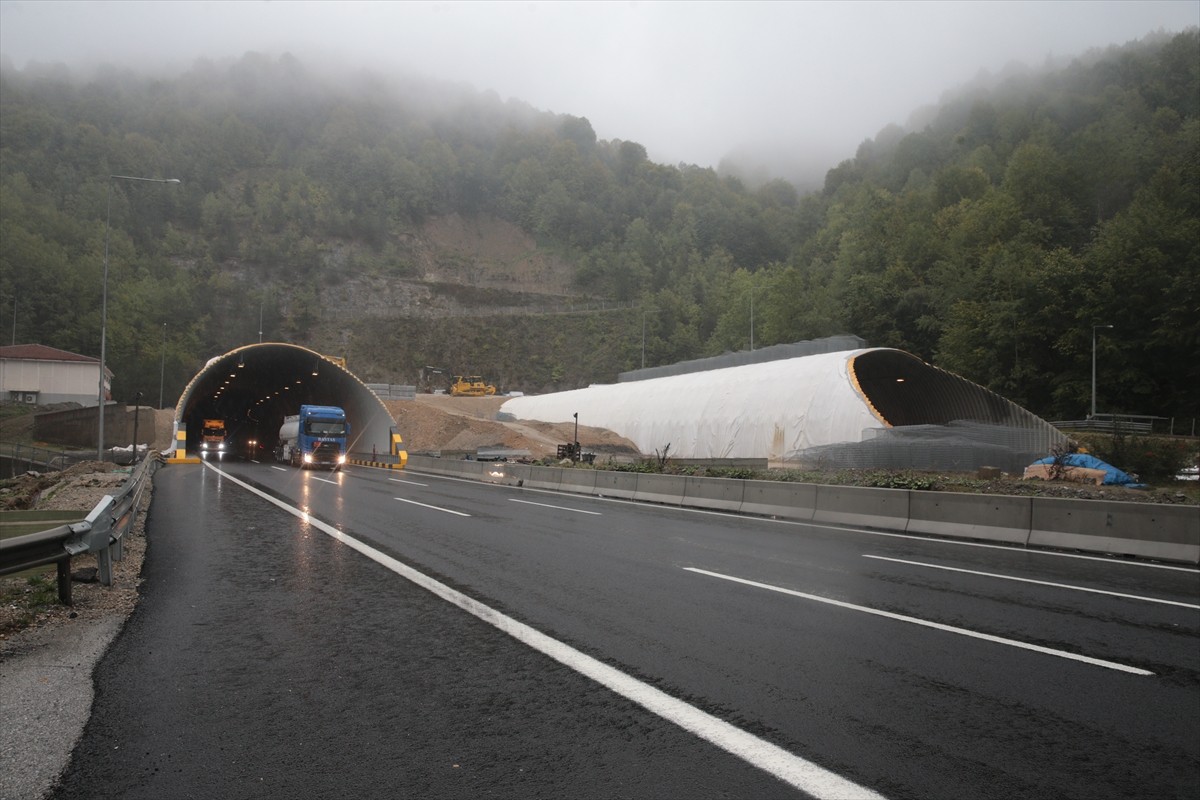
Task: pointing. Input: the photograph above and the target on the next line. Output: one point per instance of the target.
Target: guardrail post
(104, 562)
(64, 581)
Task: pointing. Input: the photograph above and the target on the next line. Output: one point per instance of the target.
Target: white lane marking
(1013, 549)
(326, 480)
(1032, 551)
(281, 469)
(1040, 583)
(928, 624)
(772, 759)
(252, 461)
(411, 483)
(435, 508)
(560, 508)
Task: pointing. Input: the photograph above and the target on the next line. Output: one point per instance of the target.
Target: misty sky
(692, 81)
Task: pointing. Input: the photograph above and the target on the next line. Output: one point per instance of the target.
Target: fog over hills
(783, 88)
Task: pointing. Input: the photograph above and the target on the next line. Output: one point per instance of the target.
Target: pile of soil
(436, 423)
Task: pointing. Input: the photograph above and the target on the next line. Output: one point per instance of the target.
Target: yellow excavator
(471, 386)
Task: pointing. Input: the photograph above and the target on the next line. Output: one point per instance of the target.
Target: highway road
(394, 634)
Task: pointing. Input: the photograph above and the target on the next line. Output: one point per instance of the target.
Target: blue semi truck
(316, 437)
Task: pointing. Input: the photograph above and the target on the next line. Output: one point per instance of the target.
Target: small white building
(39, 375)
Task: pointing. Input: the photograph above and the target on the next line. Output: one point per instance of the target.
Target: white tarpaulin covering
(752, 411)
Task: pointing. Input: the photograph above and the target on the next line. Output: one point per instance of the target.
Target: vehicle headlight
(204, 445)
(342, 458)
(308, 458)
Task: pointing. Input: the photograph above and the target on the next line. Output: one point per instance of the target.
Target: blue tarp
(1112, 475)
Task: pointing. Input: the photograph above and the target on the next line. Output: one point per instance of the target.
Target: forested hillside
(403, 223)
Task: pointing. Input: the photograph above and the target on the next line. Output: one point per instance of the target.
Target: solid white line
(1032, 551)
(411, 483)
(1010, 548)
(928, 624)
(1040, 583)
(560, 508)
(788, 767)
(435, 508)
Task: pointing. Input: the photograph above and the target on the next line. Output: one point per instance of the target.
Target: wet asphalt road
(267, 659)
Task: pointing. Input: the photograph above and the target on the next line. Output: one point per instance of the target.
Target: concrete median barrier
(995, 518)
(795, 501)
(719, 494)
(451, 467)
(544, 478)
(857, 505)
(1169, 533)
(666, 489)
(578, 481)
(622, 485)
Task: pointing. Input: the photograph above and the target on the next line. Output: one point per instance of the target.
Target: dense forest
(990, 236)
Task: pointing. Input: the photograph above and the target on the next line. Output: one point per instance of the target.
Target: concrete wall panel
(858, 505)
(995, 518)
(668, 489)
(616, 484)
(780, 500)
(579, 481)
(1170, 533)
(721, 494)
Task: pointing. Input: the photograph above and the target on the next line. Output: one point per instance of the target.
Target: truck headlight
(308, 458)
(342, 458)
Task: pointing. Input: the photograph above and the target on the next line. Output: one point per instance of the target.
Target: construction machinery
(471, 386)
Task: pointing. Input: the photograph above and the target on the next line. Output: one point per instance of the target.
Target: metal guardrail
(20, 458)
(100, 532)
(1104, 425)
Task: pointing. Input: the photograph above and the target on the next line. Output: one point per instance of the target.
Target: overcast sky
(692, 81)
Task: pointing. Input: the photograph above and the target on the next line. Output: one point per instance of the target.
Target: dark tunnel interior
(254, 387)
(904, 390)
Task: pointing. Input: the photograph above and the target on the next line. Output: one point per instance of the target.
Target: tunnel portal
(252, 388)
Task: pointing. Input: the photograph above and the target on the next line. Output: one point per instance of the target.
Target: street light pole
(643, 338)
(137, 406)
(162, 367)
(751, 318)
(1094, 327)
(104, 299)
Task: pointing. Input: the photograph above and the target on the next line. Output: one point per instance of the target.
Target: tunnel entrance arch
(252, 388)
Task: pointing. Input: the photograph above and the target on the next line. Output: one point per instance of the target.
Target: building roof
(40, 352)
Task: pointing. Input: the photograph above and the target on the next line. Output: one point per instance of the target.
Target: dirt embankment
(435, 422)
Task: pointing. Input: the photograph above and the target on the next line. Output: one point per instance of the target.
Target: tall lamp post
(751, 318)
(104, 298)
(162, 367)
(1094, 329)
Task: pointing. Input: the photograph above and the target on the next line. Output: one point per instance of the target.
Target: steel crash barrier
(1138, 530)
(101, 532)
